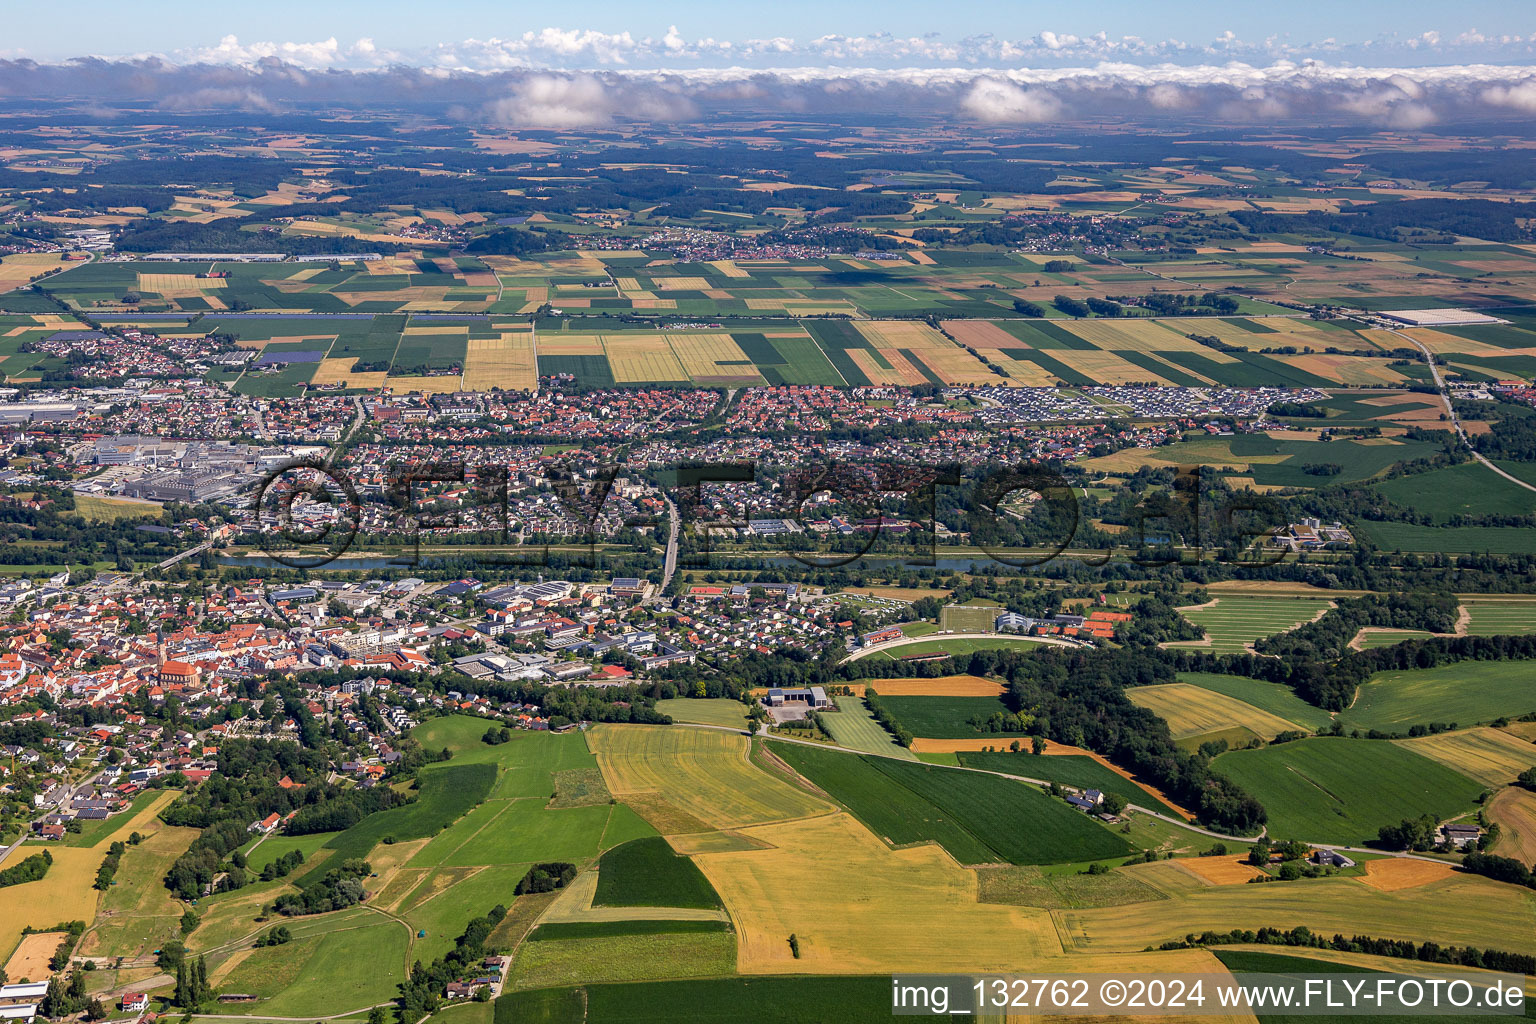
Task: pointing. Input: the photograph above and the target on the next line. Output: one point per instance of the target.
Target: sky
(1394, 64)
(782, 33)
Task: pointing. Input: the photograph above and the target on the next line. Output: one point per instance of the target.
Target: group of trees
(338, 888)
(29, 870)
(546, 877)
(1402, 949)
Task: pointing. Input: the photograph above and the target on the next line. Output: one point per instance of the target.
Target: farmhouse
(134, 1002)
(1459, 835)
(1331, 859)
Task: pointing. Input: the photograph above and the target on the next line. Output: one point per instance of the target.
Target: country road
(1450, 410)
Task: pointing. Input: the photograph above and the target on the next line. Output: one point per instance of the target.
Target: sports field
(969, 618)
(704, 773)
(1231, 623)
(1335, 790)
(729, 713)
(1466, 693)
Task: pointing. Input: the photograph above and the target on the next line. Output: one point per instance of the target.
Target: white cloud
(993, 100)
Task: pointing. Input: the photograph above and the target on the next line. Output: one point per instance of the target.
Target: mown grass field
(729, 713)
(1066, 769)
(1232, 622)
(1275, 698)
(1466, 693)
(1192, 711)
(1493, 757)
(854, 727)
(318, 973)
(447, 792)
(1335, 790)
(972, 815)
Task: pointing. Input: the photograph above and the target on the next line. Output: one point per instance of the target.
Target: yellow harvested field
(425, 385)
(1193, 711)
(20, 268)
(1220, 870)
(680, 284)
(857, 907)
(64, 894)
(901, 341)
(1461, 909)
(437, 329)
(1391, 874)
(981, 334)
(728, 268)
(1515, 811)
(30, 961)
(508, 362)
(925, 745)
(338, 370)
(641, 358)
(713, 358)
(1347, 369)
(1491, 756)
(1133, 336)
(1107, 367)
(571, 345)
(689, 844)
(703, 772)
(179, 285)
(941, 686)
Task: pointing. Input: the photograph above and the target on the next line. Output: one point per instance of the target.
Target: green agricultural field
(765, 1000)
(1493, 617)
(852, 726)
(972, 815)
(1233, 622)
(1067, 769)
(264, 851)
(1466, 489)
(1275, 698)
(647, 873)
(1465, 692)
(1472, 540)
(946, 718)
(1335, 790)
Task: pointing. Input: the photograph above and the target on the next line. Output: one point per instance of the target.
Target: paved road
(1450, 411)
(669, 564)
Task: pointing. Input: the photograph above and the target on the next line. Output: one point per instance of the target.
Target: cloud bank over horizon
(560, 80)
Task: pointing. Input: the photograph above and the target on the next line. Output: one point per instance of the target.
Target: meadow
(1466, 693)
(1335, 790)
(728, 713)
